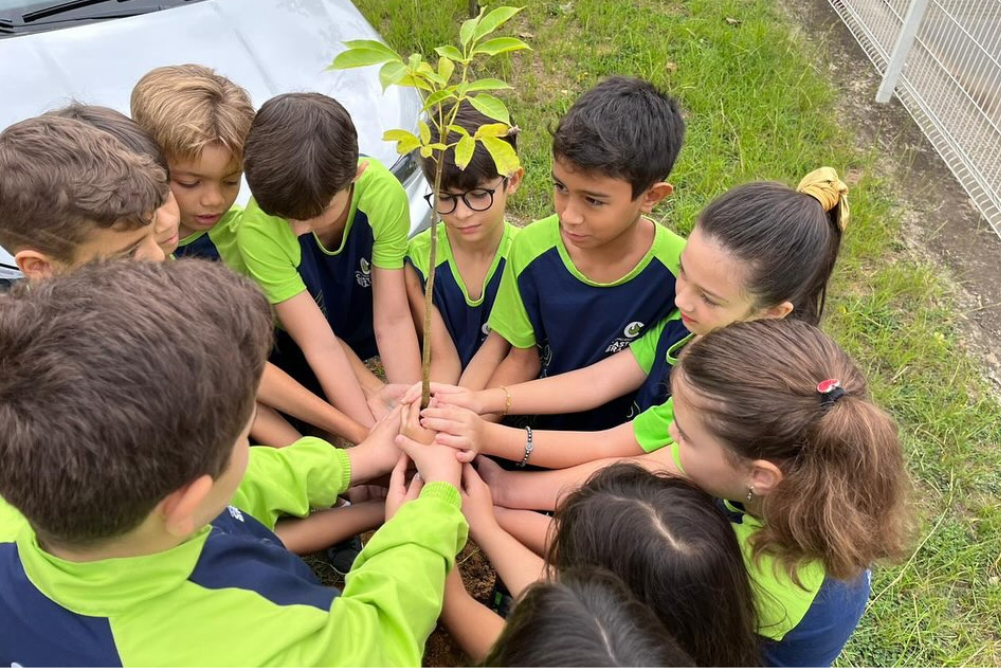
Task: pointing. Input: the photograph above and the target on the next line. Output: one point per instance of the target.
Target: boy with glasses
(473, 245)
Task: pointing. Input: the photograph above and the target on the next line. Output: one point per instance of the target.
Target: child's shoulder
(376, 177)
(667, 246)
(536, 238)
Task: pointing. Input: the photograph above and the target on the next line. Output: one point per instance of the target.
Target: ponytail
(842, 496)
(789, 238)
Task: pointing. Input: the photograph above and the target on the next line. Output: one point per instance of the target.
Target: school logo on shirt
(235, 513)
(629, 334)
(485, 328)
(364, 277)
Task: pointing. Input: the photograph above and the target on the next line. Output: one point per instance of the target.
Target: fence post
(908, 31)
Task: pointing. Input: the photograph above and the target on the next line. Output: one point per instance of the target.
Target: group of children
(726, 485)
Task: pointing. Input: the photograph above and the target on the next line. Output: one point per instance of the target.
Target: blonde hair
(187, 107)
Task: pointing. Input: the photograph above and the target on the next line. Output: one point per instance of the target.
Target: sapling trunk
(429, 290)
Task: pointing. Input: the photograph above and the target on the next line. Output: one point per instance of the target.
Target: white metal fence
(943, 60)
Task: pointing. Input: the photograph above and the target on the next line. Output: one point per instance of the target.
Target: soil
(940, 223)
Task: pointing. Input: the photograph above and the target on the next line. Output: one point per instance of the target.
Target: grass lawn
(757, 109)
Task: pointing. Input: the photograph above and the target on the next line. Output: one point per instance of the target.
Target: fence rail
(950, 79)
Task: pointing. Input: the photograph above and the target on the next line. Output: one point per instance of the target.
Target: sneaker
(500, 599)
(342, 555)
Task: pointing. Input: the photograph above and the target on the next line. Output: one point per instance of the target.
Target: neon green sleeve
(310, 473)
(418, 253)
(381, 196)
(271, 253)
(509, 317)
(644, 349)
(223, 235)
(650, 426)
(668, 247)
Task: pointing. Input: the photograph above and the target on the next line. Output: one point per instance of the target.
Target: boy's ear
(361, 168)
(654, 194)
(180, 507)
(765, 476)
(35, 265)
(514, 180)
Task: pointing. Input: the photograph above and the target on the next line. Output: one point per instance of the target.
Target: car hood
(266, 46)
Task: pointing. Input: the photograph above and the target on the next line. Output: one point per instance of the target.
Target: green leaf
(494, 20)
(468, 28)
(425, 151)
(360, 58)
(492, 47)
(464, 151)
(433, 77)
(449, 52)
(405, 141)
(436, 98)
(372, 45)
(459, 130)
(487, 84)
(425, 131)
(492, 130)
(445, 69)
(415, 82)
(391, 73)
(490, 106)
(503, 154)
(414, 62)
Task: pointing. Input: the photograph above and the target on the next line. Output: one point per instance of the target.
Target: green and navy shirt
(339, 279)
(545, 301)
(232, 594)
(218, 243)
(657, 352)
(465, 318)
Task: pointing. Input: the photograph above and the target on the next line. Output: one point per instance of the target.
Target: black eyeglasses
(477, 199)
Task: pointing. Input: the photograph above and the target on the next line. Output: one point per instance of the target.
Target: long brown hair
(842, 499)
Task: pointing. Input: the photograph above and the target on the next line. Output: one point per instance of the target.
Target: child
(746, 259)
(585, 283)
(166, 222)
(587, 618)
(200, 121)
(473, 246)
(681, 555)
(70, 193)
(325, 236)
(132, 555)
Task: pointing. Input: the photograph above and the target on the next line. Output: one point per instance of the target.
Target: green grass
(758, 109)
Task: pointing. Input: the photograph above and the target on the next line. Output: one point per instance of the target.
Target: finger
(412, 394)
(453, 441)
(408, 445)
(467, 470)
(397, 479)
(441, 424)
(465, 456)
(416, 485)
(444, 411)
(445, 388)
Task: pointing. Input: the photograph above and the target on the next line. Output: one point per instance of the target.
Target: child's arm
(486, 360)
(520, 365)
(394, 328)
(470, 623)
(329, 526)
(445, 364)
(303, 320)
(272, 429)
(280, 391)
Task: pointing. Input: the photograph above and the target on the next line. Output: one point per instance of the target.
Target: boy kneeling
(124, 461)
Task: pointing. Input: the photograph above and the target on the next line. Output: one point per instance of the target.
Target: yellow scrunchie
(824, 185)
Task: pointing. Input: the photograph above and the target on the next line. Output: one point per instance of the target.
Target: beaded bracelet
(528, 447)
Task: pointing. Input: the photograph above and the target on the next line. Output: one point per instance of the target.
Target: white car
(94, 51)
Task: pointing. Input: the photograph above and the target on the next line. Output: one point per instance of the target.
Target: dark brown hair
(787, 240)
(587, 618)
(677, 552)
(842, 499)
(301, 151)
(60, 178)
(481, 168)
(120, 383)
(622, 128)
(118, 125)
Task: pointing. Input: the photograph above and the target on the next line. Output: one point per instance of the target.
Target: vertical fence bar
(905, 41)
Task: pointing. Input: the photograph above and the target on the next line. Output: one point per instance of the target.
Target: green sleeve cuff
(345, 463)
(444, 491)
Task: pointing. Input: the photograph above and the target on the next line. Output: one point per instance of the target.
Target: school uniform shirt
(545, 301)
(232, 594)
(657, 352)
(218, 243)
(465, 318)
(338, 279)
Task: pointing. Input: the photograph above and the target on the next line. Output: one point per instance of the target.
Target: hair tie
(830, 391)
(824, 186)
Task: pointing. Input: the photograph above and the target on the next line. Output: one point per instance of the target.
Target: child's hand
(399, 492)
(437, 389)
(386, 399)
(379, 447)
(434, 462)
(495, 477)
(411, 426)
(477, 503)
(458, 428)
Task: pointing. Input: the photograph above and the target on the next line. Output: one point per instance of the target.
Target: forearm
(272, 429)
(470, 623)
(280, 391)
(559, 449)
(333, 370)
(485, 362)
(397, 342)
(516, 565)
(530, 528)
(327, 527)
(520, 365)
(370, 383)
